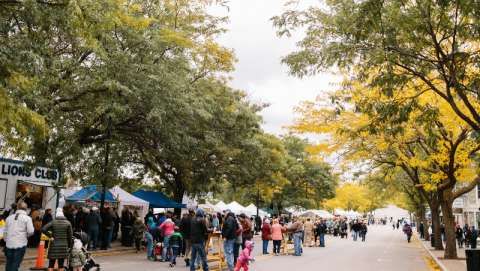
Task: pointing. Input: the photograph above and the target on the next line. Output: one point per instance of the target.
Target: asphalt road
(384, 250)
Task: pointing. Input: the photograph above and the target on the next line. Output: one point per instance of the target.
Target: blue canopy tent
(90, 193)
(158, 199)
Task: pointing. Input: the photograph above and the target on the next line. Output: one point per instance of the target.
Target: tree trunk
(425, 231)
(178, 193)
(437, 235)
(415, 217)
(449, 220)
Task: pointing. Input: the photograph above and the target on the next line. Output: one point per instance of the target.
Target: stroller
(90, 263)
(157, 251)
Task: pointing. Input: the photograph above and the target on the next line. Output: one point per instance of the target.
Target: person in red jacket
(266, 235)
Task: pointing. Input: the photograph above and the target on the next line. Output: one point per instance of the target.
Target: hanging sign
(11, 169)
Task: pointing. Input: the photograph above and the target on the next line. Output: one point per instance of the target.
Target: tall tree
(94, 70)
(432, 145)
(433, 42)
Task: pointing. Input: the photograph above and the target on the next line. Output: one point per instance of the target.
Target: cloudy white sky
(259, 71)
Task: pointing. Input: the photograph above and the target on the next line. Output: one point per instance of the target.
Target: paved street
(385, 250)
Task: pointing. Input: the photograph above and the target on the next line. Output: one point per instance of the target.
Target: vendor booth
(126, 199)
(221, 206)
(237, 208)
(317, 213)
(30, 184)
(157, 199)
(391, 211)
(295, 210)
(339, 212)
(64, 194)
(91, 196)
(252, 211)
(209, 208)
(190, 202)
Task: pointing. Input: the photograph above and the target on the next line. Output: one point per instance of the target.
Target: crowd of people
(187, 236)
(97, 228)
(466, 236)
(165, 237)
(20, 228)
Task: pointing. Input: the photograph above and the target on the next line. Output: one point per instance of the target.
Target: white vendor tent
(65, 193)
(308, 213)
(391, 211)
(352, 214)
(324, 214)
(295, 210)
(252, 210)
(207, 207)
(319, 213)
(190, 202)
(236, 208)
(210, 208)
(340, 212)
(127, 199)
(221, 206)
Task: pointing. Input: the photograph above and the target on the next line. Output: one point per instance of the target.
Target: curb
(99, 253)
(437, 261)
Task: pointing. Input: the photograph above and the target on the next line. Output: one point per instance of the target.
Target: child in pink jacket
(245, 257)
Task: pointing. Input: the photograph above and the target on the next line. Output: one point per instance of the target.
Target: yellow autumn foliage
(347, 134)
(349, 196)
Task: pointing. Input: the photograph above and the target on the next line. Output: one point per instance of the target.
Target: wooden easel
(215, 251)
(287, 246)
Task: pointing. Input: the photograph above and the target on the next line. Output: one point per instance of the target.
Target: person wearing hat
(60, 232)
(199, 233)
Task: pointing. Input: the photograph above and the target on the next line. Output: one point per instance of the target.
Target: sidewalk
(31, 254)
(446, 265)
(103, 256)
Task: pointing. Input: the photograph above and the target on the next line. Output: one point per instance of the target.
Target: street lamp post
(258, 198)
(106, 165)
(104, 179)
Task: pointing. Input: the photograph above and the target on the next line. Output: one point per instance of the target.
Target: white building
(467, 208)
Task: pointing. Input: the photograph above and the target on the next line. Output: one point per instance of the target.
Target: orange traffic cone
(40, 264)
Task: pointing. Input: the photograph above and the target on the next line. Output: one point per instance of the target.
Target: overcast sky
(259, 71)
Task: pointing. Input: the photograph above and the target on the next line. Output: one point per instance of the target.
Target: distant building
(467, 208)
